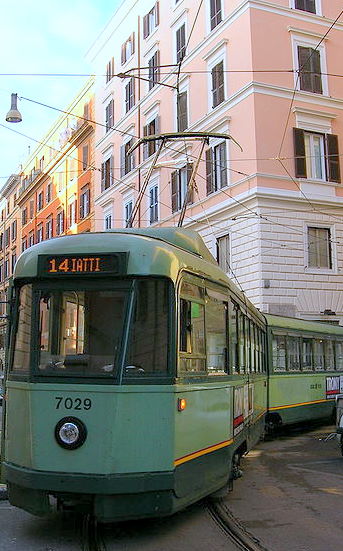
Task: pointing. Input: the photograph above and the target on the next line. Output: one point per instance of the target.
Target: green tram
(305, 360)
(136, 375)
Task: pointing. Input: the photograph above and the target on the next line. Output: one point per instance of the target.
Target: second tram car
(136, 375)
(305, 360)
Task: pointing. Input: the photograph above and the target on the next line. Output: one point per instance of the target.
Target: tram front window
(80, 331)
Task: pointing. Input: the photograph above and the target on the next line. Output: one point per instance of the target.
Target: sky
(42, 37)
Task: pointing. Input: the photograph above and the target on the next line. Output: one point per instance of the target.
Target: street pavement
(290, 496)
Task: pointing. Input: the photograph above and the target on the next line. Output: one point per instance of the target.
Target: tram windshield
(94, 332)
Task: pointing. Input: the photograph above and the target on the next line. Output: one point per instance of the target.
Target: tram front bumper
(108, 497)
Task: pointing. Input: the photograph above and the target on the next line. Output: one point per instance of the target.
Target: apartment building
(9, 249)
(55, 193)
(266, 73)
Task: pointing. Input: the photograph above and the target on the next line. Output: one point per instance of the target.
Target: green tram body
(305, 361)
(163, 405)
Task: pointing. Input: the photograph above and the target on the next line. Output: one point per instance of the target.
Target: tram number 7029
(73, 403)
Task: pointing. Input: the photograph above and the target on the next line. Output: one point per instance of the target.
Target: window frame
(300, 40)
(331, 251)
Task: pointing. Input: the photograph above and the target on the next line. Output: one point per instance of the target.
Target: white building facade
(263, 72)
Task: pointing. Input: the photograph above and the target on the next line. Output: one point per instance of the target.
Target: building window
(60, 223)
(223, 252)
(153, 204)
(129, 94)
(310, 77)
(217, 75)
(85, 157)
(127, 161)
(182, 111)
(6, 268)
(24, 244)
(7, 237)
(151, 129)
(319, 247)
(39, 237)
(84, 203)
(151, 20)
(128, 49)
(108, 221)
(48, 192)
(316, 156)
(32, 209)
(305, 5)
(216, 168)
(107, 173)
(154, 69)
(72, 213)
(13, 260)
(109, 71)
(180, 43)
(128, 207)
(109, 114)
(215, 13)
(179, 185)
(49, 228)
(1, 241)
(40, 201)
(31, 239)
(14, 230)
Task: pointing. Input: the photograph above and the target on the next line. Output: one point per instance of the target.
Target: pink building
(266, 73)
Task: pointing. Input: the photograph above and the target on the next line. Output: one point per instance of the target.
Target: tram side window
(149, 337)
(293, 353)
(233, 336)
(253, 331)
(279, 353)
(241, 342)
(329, 355)
(339, 355)
(21, 358)
(318, 355)
(307, 354)
(216, 332)
(192, 337)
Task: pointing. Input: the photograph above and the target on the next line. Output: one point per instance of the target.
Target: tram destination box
(78, 265)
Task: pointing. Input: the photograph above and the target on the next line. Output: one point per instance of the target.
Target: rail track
(222, 516)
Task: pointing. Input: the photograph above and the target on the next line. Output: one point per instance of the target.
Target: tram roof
(151, 251)
(297, 324)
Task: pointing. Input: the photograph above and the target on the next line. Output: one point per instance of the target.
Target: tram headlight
(70, 433)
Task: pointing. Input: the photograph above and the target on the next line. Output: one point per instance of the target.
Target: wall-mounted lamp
(14, 115)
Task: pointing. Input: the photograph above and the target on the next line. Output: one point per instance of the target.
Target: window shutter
(103, 180)
(133, 43)
(209, 172)
(145, 145)
(305, 67)
(157, 67)
(299, 153)
(222, 164)
(123, 52)
(332, 158)
(316, 75)
(189, 169)
(111, 175)
(145, 26)
(157, 14)
(174, 191)
(122, 161)
(182, 118)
